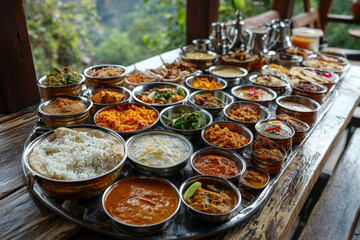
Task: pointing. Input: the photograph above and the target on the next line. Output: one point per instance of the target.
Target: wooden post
(284, 7)
(324, 9)
(18, 87)
(199, 16)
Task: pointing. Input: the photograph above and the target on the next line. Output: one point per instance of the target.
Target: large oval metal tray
(89, 213)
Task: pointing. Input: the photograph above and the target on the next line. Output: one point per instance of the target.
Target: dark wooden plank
(24, 217)
(284, 7)
(343, 18)
(324, 10)
(18, 78)
(335, 214)
(14, 130)
(200, 14)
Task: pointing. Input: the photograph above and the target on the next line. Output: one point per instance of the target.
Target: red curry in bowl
(216, 165)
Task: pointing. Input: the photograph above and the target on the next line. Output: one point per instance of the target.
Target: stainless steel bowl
(49, 92)
(317, 96)
(240, 162)
(94, 81)
(252, 188)
(287, 60)
(222, 96)
(127, 134)
(208, 217)
(55, 121)
(73, 190)
(265, 102)
(278, 89)
(285, 142)
(148, 86)
(300, 134)
(94, 90)
(199, 63)
(142, 229)
(232, 81)
(234, 127)
(189, 82)
(259, 109)
(309, 117)
(160, 171)
(167, 112)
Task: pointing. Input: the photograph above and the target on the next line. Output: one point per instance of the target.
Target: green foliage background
(86, 32)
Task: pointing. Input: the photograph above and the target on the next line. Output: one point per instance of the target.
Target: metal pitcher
(218, 38)
(281, 28)
(238, 37)
(261, 40)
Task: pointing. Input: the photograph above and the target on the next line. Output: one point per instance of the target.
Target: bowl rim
(164, 132)
(279, 99)
(154, 84)
(31, 146)
(194, 156)
(128, 103)
(245, 72)
(251, 138)
(103, 66)
(187, 49)
(262, 107)
(229, 184)
(257, 169)
(247, 86)
(41, 80)
(218, 80)
(84, 99)
(91, 89)
(193, 94)
(272, 138)
(272, 161)
(170, 184)
(181, 106)
(252, 77)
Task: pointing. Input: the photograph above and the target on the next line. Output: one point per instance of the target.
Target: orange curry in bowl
(141, 201)
(218, 166)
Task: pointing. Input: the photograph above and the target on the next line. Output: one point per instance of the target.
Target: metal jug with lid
(281, 28)
(218, 38)
(261, 40)
(238, 37)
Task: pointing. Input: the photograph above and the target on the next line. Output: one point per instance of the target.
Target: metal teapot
(237, 36)
(261, 40)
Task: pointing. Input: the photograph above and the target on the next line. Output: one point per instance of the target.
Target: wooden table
(22, 215)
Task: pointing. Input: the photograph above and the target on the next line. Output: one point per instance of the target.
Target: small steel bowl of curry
(233, 75)
(299, 126)
(278, 84)
(199, 59)
(65, 111)
(212, 101)
(205, 82)
(104, 95)
(141, 205)
(276, 130)
(254, 179)
(221, 198)
(312, 90)
(257, 94)
(299, 107)
(246, 113)
(267, 155)
(218, 162)
(48, 92)
(105, 74)
(227, 135)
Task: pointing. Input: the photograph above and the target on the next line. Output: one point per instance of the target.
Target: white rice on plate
(76, 154)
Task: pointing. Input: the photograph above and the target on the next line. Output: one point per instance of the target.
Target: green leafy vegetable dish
(62, 77)
(185, 120)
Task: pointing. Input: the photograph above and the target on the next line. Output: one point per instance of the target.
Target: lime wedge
(191, 190)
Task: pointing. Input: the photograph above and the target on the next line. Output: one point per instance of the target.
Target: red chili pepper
(276, 128)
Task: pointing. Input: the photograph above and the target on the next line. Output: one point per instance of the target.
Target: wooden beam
(306, 18)
(17, 79)
(343, 19)
(200, 14)
(284, 7)
(324, 10)
(261, 19)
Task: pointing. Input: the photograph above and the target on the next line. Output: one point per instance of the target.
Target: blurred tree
(60, 32)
